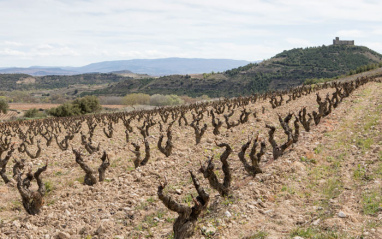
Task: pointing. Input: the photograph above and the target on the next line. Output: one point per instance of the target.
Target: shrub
(4, 106)
(87, 104)
(204, 97)
(34, 113)
(159, 100)
(84, 105)
(174, 100)
(64, 110)
(162, 100)
(136, 99)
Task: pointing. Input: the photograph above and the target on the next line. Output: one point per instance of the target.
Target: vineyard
(222, 169)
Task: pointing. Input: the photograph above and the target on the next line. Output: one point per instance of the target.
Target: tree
(4, 106)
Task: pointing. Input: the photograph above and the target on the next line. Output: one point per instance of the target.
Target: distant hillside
(11, 82)
(165, 66)
(37, 71)
(154, 67)
(294, 66)
(289, 68)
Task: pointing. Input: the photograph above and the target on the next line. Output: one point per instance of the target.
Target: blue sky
(76, 33)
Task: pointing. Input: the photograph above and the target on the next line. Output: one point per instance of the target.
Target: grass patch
(228, 201)
(115, 164)
(188, 199)
(371, 122)
(332, 188)
(51, 202)
(150, 200)
(49, 186)
(378, 170)
(129, 169)
(316, 233)
(81, 179)
(308, 160)
(170, 219)
(16, 205)
(142, 206)
(151, 222)
(372, 202)
(359, 172)
(318, 149)
(373, 224)
(258, 235)
(364, 144)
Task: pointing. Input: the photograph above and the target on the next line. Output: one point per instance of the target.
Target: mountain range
(153, 67)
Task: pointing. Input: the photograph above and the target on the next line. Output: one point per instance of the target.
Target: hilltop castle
(338, 42)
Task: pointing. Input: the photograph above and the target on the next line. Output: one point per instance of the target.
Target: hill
(286, 69)
(155, 67)
(11, 82)
(37, 71)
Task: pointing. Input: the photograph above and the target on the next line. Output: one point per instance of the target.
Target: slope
(287, 69)
(27, 82)
(326, 186)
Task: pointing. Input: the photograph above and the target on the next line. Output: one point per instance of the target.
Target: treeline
(236, 71)
(360, 69)
(365, 68)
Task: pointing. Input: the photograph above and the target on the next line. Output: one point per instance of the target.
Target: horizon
(249, 61)
(78, 33)
(193, 58)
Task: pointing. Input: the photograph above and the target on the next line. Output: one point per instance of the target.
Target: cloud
(12, 43)
(298, 42)
(84, 31)
(11, 52)
(351, 33)
(377, 32)
(39, 52)
(377, 46)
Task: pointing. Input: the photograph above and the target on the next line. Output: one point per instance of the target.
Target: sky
(80, 32)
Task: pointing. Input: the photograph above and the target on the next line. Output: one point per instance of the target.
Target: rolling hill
(11, 82)
(286, 69)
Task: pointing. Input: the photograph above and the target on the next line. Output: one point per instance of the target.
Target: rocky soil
(327, 185)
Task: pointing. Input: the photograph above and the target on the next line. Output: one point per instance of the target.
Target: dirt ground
(327, 185)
